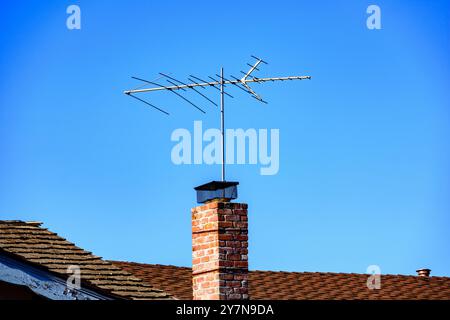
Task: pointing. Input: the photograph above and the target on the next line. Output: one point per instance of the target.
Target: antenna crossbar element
(130, 92)
(148, 103)
(259, 59)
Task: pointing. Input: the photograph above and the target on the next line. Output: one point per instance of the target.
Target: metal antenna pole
(222, 122)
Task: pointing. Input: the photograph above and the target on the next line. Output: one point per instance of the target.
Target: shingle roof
(278, 285)
(29, 242)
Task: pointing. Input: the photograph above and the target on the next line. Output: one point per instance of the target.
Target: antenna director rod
(218, 83)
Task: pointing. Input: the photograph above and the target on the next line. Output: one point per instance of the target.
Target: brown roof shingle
(29, 242)
(280, 285)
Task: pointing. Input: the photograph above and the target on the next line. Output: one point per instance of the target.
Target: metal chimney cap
(222, 190)
(423, 272)
(216, 185)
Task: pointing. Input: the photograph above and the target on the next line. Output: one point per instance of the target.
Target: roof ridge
(148, 264)
(21, 222)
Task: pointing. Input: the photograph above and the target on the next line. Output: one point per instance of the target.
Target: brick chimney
(220, 251)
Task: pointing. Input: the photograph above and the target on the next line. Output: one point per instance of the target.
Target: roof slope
(278, 285)
(29, 242)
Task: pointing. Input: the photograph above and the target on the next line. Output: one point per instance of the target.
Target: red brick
(219, 244)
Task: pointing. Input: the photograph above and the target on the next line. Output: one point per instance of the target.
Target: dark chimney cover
(423, 272)
(217, 190)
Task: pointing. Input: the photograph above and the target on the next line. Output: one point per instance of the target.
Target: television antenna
(219, 83)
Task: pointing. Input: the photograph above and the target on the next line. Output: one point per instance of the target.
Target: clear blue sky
(364, 146)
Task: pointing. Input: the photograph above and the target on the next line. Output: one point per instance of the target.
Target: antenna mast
(241, 83)
(222, 122)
